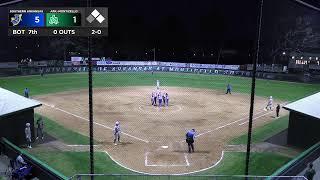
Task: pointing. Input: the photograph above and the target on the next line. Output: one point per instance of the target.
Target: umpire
(229, 89)
(190, 139)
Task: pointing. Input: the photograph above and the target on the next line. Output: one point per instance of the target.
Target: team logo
(53, 20)
(16, 19)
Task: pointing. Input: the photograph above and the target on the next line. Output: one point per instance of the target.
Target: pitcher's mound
(163, 109)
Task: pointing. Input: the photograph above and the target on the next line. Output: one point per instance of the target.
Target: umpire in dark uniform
(190, 139)
(229, 89)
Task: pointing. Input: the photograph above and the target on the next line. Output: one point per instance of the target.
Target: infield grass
(52, 83)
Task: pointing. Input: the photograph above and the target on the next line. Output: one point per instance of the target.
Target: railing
(300, 162)
(40, 169)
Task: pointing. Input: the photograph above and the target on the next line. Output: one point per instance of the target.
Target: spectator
(310, 172)
(40, 126)
(20, 161)
(27, 132)
(26, 92)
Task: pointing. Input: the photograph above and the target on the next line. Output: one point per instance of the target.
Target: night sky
(178, 29)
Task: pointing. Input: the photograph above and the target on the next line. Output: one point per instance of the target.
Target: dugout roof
(11, 102)
(309, 105)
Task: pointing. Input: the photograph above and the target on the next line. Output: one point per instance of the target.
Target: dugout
(15, 112)
(304, 121)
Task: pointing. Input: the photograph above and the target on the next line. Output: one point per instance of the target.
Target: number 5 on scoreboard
(36, 19)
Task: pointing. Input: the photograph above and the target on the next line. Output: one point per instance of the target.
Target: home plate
(164, 147)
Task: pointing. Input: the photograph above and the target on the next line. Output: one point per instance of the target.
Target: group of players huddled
(159, 98)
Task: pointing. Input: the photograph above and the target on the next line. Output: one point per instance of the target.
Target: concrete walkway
(316, 166)
(266, 147)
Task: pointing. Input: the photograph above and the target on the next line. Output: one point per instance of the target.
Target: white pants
(116, 137)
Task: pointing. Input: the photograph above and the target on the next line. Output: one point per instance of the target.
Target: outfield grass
(63, 134)
(233, 163)
(262, 133)
(73, 81)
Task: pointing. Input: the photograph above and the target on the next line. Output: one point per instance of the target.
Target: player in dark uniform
(40, 127)
(190, 139)
(229, 88)
(155, 99)
(164, 99)
(41, 72)
(278, 110)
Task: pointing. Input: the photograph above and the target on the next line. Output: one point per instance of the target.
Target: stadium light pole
(253, 86)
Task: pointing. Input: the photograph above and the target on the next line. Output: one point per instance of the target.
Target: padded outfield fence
(180, 177)
(208, 71)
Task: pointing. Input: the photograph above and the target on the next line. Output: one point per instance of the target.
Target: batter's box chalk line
(147, 164)
(186, 173)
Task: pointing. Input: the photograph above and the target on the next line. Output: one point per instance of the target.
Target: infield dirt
(217, 118)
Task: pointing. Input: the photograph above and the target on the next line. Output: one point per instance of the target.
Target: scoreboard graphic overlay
(65, 21)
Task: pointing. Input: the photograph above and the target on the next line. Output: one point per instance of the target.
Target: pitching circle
(163, 109)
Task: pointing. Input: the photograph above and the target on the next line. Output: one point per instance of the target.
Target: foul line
(255, 118)
(236, 122)
(261, 115)
(220, 127)
(186, 158)
(107, 127)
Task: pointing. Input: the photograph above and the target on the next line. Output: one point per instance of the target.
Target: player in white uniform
(116, 133)
(269, 105)
(160, 99)
(158, 84)
(167, 99)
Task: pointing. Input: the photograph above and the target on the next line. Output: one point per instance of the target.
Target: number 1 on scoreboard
(75, 19)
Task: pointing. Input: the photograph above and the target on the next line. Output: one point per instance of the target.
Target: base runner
(116, 133)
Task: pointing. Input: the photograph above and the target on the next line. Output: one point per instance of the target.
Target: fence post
(78, 177)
